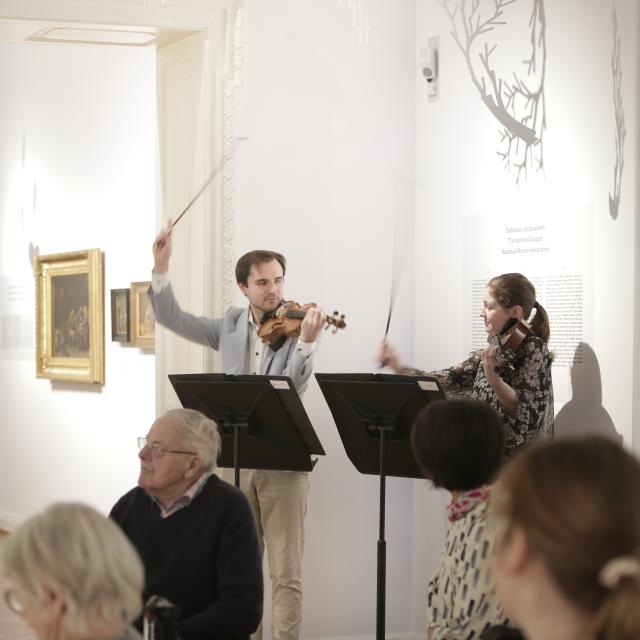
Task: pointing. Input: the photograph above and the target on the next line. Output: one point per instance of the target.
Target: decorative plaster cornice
(232, 82)
(199, 4)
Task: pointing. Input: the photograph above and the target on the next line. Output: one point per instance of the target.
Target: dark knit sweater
(203, 558)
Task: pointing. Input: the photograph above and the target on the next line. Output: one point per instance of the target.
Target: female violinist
(513, 373)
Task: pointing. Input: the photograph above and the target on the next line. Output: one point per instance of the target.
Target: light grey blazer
(229, 336)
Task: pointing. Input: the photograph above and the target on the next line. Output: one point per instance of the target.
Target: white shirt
(255, 348)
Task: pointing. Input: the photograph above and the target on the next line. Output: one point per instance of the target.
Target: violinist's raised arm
(518, 385)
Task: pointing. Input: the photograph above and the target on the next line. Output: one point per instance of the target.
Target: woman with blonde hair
(72, 575)
(566, 516)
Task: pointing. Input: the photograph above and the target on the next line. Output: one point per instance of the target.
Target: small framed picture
(70, 316)
(143, 318)
(120, 315)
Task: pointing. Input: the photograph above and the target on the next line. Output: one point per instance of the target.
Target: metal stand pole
(236, 453)
(382, 545)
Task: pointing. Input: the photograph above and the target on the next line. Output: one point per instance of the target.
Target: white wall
(87, 115)
(330, 127)
(336, 129)
(457, 139)
(457, 142)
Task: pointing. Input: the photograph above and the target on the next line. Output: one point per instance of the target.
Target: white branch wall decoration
(362, 20)
(515, 97)
(620, 129)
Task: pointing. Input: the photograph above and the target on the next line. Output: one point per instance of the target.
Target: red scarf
(466, 501)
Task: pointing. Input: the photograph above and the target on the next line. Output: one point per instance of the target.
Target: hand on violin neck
(162, 250)
(506, 395)
(312, 324)
(490, 362)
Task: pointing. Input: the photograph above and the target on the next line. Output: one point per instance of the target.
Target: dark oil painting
(70, 300)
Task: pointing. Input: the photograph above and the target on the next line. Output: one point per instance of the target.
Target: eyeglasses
(157, 450)
(13, 602)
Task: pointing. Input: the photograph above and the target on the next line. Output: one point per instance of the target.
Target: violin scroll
(336, 321)
(509, 341)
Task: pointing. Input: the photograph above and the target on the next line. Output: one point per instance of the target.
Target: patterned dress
(530, 379)
(461, 598)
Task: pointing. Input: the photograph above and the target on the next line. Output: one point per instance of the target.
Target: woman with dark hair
(459, 444)
(566, 518)
(521, 392)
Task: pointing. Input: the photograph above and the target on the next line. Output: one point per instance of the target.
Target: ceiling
(75, 33)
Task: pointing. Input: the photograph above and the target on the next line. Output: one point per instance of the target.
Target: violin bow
(393, 297)
(404, 225)
(394, 289)
(212, 176)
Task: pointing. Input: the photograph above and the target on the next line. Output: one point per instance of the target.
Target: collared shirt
(185, 499)
(255, 348)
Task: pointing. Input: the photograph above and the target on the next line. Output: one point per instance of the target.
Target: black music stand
(374, 414)
(261, 419)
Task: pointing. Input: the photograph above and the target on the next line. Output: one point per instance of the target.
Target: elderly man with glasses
(194, 532)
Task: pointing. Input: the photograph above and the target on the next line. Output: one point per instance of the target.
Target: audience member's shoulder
(127, 501)
(477, 525)
(223, 490)
(132, 494)
(224, 496)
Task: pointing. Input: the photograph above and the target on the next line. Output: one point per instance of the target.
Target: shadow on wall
(584, 413)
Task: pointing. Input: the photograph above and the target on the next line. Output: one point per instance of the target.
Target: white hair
(87, 556)
(199, 433)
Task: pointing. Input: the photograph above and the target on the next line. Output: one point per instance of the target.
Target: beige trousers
(278, 500)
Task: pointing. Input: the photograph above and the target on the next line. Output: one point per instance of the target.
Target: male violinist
(278, 499)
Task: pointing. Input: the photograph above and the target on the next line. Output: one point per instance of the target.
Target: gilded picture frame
(120, 315)
(70, 316)
(143, 319)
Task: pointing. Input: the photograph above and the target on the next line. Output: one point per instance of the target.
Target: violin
(286, 321)
(508, 342)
